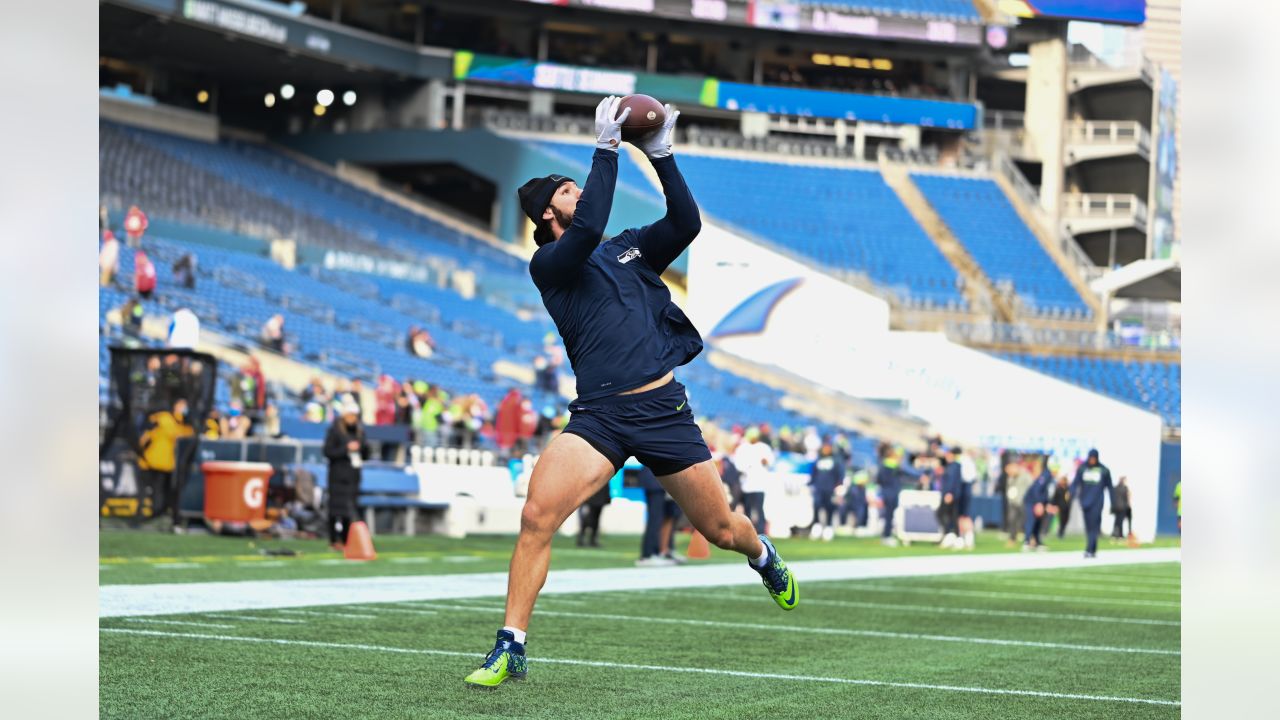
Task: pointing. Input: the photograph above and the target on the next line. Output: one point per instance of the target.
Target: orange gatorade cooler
(235, 491)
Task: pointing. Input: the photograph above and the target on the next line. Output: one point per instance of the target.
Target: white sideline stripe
(251, 618)
(201, 597)
(154, 621)
(402, 611)
(1017, 596)
(1085, 576)
(316, 613)
(827, 631)
(937, 609)
(262, 564)
(410, 560)
(1086, 587)
(659, 668)
(175, 566)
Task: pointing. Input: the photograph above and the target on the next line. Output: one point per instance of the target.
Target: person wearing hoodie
(1035, 503)
(825, 476)
(949, 510)
(889, 480)
(1091, 486)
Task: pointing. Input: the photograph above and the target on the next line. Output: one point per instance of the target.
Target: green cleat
(505, 662)
(778, 580)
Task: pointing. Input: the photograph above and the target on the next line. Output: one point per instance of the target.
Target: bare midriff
(671, 375)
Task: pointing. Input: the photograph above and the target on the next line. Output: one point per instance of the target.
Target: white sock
(518, 633)
(764, 555)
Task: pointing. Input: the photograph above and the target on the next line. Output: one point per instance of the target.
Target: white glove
(657, 144)
(609, 123)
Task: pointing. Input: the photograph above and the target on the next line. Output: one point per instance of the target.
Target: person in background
(144, 275)
(184, 330)
(158, 444)
(1177, 501)
(659, 516)
(346, 449)
(108, 259)
(855, 499)
(589, 517)
(968, 477)
(1092, 482)
(1121, 509)
(508, 422)
(1034, 502)
(272, 335)
(131, 315)
(1061, 503)
(212, 425)
(184, 271)
(824, 478)
(135, 224)
(949, 510)
(235, 426)
(889, 481)
(250, 388)
(754, 458)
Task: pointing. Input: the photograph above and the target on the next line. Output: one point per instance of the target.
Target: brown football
(647, 115)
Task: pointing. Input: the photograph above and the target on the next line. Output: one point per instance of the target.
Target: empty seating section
(630, 176)
(981, 217)
(349, 324)
(962, 10)
(847, 219)
(1156, 386)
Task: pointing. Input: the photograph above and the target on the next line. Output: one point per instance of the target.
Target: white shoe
(828, 534)
(655, 561)
(815, 532)
(1026, 548)
(676, 558)
(889, 542)
(949, 540)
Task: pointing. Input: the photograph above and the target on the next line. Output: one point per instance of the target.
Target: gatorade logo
(253, 493)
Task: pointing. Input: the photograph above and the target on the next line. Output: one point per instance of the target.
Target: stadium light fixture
(269, 100)
(862, 63)
(821, 59)
(842, 60)
(349, 98)
(286, 91)
(318, 110)
(202, 97)
(325, 97)
(882, 64)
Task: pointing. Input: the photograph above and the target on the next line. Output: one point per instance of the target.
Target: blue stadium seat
(1154, 386)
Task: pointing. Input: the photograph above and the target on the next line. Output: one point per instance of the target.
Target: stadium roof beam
(1143, 279)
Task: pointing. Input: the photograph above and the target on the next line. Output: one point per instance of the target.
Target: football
(647, 115)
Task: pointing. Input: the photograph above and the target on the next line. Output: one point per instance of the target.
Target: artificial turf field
(1100, 641)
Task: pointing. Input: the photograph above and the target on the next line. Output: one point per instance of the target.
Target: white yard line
(1067, 584)
(170, 598)
(939, 591)
(934, 609)
(156, 621)
(660, 668)
(317, 613)
(401, 611)
(252, 618)
(779, 628)
(176, 566)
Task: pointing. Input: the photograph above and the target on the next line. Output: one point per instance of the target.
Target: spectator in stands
(384, 409)
(357, 393)
(1034, 502)
(1061, 503)
(827, 474)
(108, 259)
(589, 517)
(144, 275)
(421, 344)
(528, 428)
(346, 449)
(131, 315)
(135, 224)
(158, 460)
(754, 458)
(1091, 483)
(889, 482)
(212, 425)
(428, 421)
(272, 335)
(235, 426)
(184, 271)
(184, 329)
(250, 387)
(509, 420)
(544, 375)
(1121, 508)
(315, 391)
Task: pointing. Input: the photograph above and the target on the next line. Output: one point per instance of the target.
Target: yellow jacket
(159, 441)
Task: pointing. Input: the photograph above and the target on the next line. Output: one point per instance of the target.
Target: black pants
(656, 503)
(589, 522)
(949, 518)
(1117, 529)
(890, 507)
(339, 525)
(1092, 527)
(753, 506)
(824, 505)
(155, 486)
(1064, 514)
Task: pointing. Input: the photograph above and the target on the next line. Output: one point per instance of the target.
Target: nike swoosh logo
(791, 600)
(681, 405)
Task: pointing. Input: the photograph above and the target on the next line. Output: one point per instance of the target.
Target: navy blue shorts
(656, 426)
(966, 499)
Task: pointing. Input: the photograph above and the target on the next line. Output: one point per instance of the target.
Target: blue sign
(848, 106)
(1126, 12)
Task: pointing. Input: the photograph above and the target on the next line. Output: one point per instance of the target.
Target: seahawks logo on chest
(1092, 475)
(629, 255)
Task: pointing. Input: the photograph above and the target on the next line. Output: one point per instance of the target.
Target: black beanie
(535, 196)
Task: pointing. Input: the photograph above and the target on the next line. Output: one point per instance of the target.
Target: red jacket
(508, 422)
(144, 273)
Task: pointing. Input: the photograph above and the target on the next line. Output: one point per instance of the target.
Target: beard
(563, 218)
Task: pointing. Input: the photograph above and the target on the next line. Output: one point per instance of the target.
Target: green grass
(411, 657)
(138, 557)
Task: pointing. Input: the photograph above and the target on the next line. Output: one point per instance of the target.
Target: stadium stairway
(1048, 240)
(978, 288)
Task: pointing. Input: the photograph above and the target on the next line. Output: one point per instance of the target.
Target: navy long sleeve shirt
(1090, 485)
(620, 328)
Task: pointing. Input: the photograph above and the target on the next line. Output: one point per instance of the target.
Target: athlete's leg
(567, 473)
(698, 491)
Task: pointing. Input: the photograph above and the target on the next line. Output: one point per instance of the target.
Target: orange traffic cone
(359, 544)
(699, 549)
(1133, 540)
